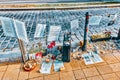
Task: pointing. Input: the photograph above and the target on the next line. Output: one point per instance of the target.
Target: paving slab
(90, 72)
(111, 76)
(75, 64)
(79, 74)
(35, 73)
(67, 76)
(115, 67)
(23, 75)
(52, 77)
(11, 74)
(3, 68)
(38, 78)
(1, 75)
(109, 58)
(105, 69)
(95, 78)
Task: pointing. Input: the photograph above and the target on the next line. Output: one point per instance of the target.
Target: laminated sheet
(87, 59)
(96, 58)
(8, 26)
(74, 24)
(54, 33)
(57, 65)
(46, 67)
(95, 20)
(21, 30)
(40, 28)
(92, 58)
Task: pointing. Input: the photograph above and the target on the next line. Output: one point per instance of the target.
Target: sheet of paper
(91, 58)
(57, 65)
(21, 30)
(87, 59)
(8, 26)
(40, 28)
(96, 58)
(46, 67)
(95, 20)
(74, 24)
(54, 33)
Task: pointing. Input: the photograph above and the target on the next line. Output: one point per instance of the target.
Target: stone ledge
(58, 5)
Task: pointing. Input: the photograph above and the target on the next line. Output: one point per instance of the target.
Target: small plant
(35, 48)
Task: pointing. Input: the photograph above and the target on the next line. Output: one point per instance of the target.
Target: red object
(48, 46)
(53, 57)
(38, 55)
(51, 46)
(87, 17)
(52, 43)
(86, 29)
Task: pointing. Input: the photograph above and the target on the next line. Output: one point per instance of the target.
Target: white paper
(58, 65)
(113, 17)
(20, 30)
(96, 58)
(95, 20)
(54, 33)
(46, 67)
(90, 59)
(74, 24)
(40, 30)
(8, 26)
(87, 59)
